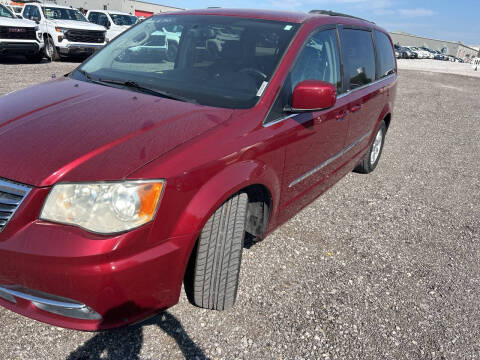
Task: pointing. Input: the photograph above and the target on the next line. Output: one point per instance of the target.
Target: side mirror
(36, 19)
(19, 16)
(312, 95)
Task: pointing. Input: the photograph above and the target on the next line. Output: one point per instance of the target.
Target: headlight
(61, 30)
(104, 207)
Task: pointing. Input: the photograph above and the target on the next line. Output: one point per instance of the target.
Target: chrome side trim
(328, 161)
(40, 300)
(365, 86)
(278, 120)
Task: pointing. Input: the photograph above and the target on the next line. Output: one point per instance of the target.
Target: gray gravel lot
(383, 266)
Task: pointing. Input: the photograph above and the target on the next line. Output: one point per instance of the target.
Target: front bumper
(50, 272)
(14, 47)
(79, 49)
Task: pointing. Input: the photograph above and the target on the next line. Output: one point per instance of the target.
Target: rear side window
(385, 58)
(359, 57)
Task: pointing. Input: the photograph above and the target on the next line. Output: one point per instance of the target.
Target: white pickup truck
(115, 22)
(19, 36)
(66, 31)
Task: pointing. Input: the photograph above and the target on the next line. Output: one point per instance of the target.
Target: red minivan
(139, 171)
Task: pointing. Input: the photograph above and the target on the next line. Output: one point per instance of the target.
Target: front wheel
(51, 52)
(211, 280)
(371, 158)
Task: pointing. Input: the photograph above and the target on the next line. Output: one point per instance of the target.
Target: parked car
(115, 22)
(402, 52)
(126, 178)
(19, 36)
(475, 63)
(414, 53)
(430, 52)
(65, 30)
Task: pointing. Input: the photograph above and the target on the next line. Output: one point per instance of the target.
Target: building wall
(448, 47)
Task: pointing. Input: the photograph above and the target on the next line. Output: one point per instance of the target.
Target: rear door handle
(355, 108)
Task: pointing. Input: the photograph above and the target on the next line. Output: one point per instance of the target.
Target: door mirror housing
(36, 19)
(312, 95)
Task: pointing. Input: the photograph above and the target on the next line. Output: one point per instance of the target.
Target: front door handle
(355, 108)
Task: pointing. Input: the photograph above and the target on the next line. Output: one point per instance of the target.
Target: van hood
(69, 130)
(4, 21)
(83, 25)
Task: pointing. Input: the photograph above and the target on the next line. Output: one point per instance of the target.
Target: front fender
(220, 187)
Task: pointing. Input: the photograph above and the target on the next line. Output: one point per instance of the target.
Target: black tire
(172, 51)
(50, 50)
(35, 58)
(368, 164)
(211, 281)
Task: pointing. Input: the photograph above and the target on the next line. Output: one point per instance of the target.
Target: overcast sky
(455, 20)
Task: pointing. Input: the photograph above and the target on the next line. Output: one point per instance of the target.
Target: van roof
(275, 15)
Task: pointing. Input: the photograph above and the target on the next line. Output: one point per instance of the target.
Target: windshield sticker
(262, 89)
(287, 27)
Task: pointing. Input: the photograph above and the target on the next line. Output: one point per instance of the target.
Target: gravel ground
(383, 266)
(447, 67)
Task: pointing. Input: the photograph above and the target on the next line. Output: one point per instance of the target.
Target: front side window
(35, 13)
(385, 57)
(319, 60)
(359, 57)
(211, 60)
(55, 13)
(93, 17)
(103, 20)
(119, 19)
(4, 12)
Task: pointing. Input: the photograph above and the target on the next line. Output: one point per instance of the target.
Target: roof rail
(333, 13)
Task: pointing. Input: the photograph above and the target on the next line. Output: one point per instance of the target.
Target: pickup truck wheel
(212, 276)
(371, 158)
(51, 52)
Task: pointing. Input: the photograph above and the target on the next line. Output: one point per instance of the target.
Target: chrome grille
(11, 196)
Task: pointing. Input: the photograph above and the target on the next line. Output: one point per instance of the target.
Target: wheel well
(387, 119)
(258, 211)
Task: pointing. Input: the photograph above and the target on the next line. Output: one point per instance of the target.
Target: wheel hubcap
(376, 147)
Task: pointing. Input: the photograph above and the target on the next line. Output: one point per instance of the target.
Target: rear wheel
(371, 158)
(211, 281)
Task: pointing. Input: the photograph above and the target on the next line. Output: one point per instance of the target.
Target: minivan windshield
(56, 13)
(212, 60)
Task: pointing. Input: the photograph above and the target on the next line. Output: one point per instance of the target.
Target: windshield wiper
(145, 89)
(84, 73)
